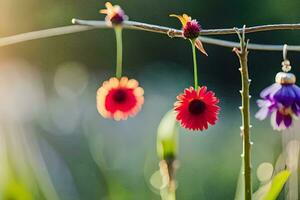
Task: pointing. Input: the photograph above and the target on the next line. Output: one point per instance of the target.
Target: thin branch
(85, 25)
(23, 37)
(178, 33)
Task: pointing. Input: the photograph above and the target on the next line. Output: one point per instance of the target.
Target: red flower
(196, 109)
(118, 99)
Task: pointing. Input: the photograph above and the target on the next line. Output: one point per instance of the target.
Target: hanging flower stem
(195, 64)
(168, 170)
(242, 54)
(118, 30)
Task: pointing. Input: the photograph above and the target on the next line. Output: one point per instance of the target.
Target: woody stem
(242, 54)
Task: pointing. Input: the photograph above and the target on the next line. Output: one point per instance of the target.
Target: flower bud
(167, 134)
(192, 29)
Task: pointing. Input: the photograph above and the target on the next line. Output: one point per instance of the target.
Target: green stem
(168, 192)
(118, 30)
(195, 64)
(245, 111)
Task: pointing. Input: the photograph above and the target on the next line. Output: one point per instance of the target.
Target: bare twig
(85, 25)
(5, 41)
(178, 33)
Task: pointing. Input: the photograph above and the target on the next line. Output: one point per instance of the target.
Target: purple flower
(280, 101)
(114, 14)
(192, 29)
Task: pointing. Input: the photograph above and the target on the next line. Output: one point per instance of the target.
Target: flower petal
(270, 91)
(296, 109)
(287, 121)
(297, 93)
(262, 113)
(279, 118)
(274, 123)
(186, 17)
(285, 95)
(200, 47)
(183, 18)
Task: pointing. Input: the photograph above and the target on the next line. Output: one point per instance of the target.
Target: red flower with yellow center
(114, 14)
(195, 110)
(119, 99)
(191, 30)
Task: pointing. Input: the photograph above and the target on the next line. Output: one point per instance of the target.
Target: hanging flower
(195, 109)
(114, 14)
(191, 30)
(118, 99)
(281, 101)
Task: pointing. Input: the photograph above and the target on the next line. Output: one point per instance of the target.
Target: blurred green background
(56, 144)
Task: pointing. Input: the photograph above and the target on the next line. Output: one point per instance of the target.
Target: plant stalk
(168, 170)
(118, 30)
(242, 54)
(195, 65)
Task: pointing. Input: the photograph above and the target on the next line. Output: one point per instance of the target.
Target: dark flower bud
(191, 30)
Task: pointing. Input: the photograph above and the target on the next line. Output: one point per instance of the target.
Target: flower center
(286, 111)
(191, 30)
(116, 19)
(120, 96)
(196, 107)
